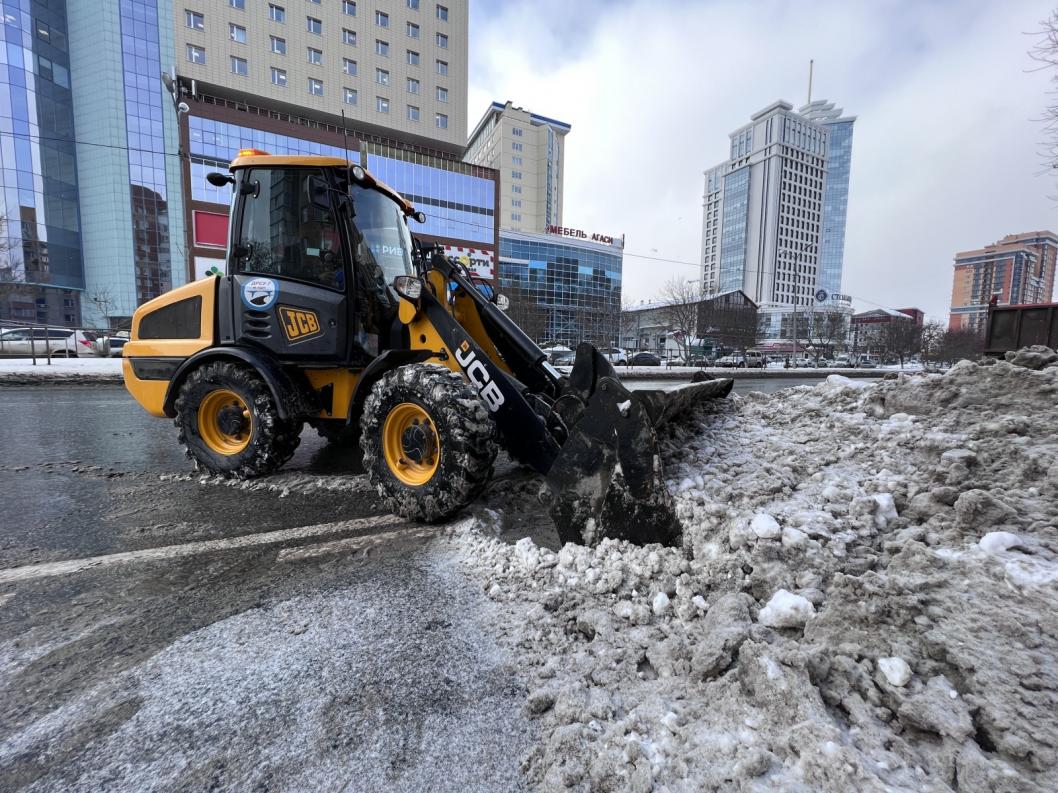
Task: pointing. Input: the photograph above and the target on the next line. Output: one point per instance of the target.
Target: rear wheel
(229, 424)
(428, 442)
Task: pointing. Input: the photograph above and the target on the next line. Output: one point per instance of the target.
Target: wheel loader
(332, 314)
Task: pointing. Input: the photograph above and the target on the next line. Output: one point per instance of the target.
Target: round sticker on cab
(260, 293)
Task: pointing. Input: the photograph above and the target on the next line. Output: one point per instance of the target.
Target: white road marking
(354, 543)
(66, 567)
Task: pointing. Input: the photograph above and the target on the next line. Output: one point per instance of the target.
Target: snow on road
(866, 599)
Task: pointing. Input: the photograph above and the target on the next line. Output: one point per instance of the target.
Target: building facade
(1018, 269)
(529, 152)
(771, 226)
(562, 289)
(42, 275)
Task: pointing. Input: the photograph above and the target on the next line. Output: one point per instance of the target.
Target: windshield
(381, 235)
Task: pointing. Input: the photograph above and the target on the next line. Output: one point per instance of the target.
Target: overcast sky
(946, 150)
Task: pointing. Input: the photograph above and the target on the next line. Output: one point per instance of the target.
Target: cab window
(289, 228)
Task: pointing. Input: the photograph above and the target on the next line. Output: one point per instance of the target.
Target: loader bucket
(608, 479)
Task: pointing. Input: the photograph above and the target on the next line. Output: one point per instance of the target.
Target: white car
(56, 342)
(615, 355)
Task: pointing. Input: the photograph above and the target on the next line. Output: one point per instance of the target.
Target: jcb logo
(298, 324)
(479, 377)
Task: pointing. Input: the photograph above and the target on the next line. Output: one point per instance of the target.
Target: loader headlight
(409, 287)
(502, 302)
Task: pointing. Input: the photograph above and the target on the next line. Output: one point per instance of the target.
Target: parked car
(645, 359)
(729, 361)
(866, 363)
(563, 358)
(755, 360)
(111, 345)
(56, 342)
(615, 355)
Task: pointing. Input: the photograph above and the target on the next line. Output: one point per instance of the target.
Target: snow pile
(71, 371)
(866, 599)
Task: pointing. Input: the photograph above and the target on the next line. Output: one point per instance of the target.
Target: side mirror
(319, 193)
(420, 216)
(219, 179)
(502, 302)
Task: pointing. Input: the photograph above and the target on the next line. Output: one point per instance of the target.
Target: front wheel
(429, 442)
(229, 424)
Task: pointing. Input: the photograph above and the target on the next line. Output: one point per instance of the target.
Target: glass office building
(41, 269)
(733, 236)
(560, 290)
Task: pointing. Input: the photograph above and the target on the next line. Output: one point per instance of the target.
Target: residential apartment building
(1018, 269)
(529, 152)
(774, 211)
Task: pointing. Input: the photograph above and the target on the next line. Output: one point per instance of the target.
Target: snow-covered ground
(22, 369)
(866, 600)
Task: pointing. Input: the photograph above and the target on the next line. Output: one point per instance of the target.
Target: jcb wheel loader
(331, 314)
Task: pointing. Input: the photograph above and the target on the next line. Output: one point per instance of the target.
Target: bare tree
(958, 344)
(730, 320)
(527, 313)
(680, 313)
(932, 341)
(105, 302)
(1045, 53)
(827, 330)
(901, 338)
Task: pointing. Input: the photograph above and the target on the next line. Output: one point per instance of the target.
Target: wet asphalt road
(355, 657)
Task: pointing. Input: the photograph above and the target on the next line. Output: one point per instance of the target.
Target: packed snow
(866, 599)
(22, 371)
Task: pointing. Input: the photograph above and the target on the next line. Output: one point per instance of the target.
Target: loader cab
(312, 254)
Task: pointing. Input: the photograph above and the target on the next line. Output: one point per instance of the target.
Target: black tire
(464, 437)
(271, 440)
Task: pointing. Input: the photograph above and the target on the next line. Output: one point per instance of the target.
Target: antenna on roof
(811, 63)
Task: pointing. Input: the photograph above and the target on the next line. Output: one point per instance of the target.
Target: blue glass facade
(41, 268)
(835, 206)
(733, 234)
(575, 290)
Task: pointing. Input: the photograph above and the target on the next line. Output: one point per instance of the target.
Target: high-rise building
(835, 191)
(41, 264)
(1018, 269)
(529, 152)
(774, 211)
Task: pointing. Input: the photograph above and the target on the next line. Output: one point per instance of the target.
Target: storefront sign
(480, 261)
(603, 239)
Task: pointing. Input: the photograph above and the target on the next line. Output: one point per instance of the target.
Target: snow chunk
(837, 381)
(793, 538)
(998, 541)
(661, 603)
(896, 670)
(765, 526)
(624, 406)
(884, 510)
(786, 610)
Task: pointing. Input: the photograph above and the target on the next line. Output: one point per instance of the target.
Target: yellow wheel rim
(410, 444)
(224, 422)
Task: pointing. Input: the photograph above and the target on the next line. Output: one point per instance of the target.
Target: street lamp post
(796, 253)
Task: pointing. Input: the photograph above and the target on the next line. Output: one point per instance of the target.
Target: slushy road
(160, 633)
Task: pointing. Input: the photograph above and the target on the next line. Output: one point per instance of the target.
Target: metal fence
(42, 342)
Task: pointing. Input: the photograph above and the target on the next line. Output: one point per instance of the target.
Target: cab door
(290, 280)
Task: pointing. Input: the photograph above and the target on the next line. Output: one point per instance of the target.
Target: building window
(413, 58)
(516, 145)
(194, 20)
(413, 30)
(279, 46)
(382, 19)
(517, 132)
(349, 37)
(315, 56)
(442, 13)
(441, 120)
(382, 48)
(442, 67)
(515, 160)
(349, 8)
(413, 85)
(381, 104)
(516, 216)
(381, 77)
(277, 13)
(350, 96)
(315, 86)
(442, 41)
(516, 174)
(516, 202)
(413, 5)
(349, 66)
(516, 188)
(238, 4)
(442, 94)
(238, 66)
(196, 54)
(314, 25)
(279, 77)
(413, 113)
(237, 33)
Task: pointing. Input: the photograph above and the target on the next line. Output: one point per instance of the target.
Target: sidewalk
(67, 371)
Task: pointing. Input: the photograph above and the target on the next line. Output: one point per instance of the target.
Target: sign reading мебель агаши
(602, 239)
